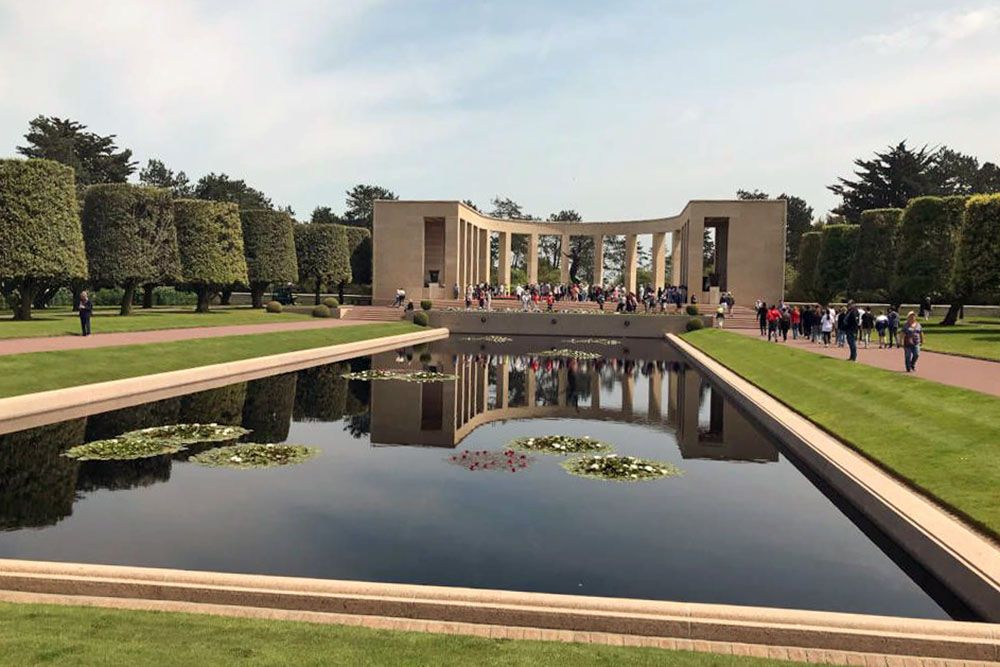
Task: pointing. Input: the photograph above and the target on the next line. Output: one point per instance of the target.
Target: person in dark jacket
(86, 310)
(852, 322)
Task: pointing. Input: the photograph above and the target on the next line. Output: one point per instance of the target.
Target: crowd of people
(544, 296)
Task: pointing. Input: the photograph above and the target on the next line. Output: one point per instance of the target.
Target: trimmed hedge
(420, 319)
(321, 311)
(694, 324)
(875, 259)
(322, 254)
(41, 241)
(836, 256)
(804, 287)
(928, 243)
(359, 245)
(322, 393)
(691, 309)
(130, 237)
(269, 248)
(977, 266)
(426, 304)
(274, 307)
(331, 302)
(210, 238)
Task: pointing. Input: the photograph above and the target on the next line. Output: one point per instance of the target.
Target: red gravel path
(975, 374)
(50, 343)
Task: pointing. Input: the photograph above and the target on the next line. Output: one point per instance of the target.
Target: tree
(752, 194)
(322, 254)
(797, 222)
(219, 187)
(874, 263)
(804, 287)
(128, 229)
(889, 180)
(833, 266)
(321, 393)
(508, 209)
(267, 410)
(156, 175)
(977, 266)
(42, 243)
(269, 248)
(471, 204)
(210, 239)
(93, 158)
(324, 215)
(959, 174)
(359, 244)
(361, 203)
(928, 242)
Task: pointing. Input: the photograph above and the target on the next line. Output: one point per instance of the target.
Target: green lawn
(943, 440)
(39, 371)
(63, 321)
(48, 634)
(976, 337)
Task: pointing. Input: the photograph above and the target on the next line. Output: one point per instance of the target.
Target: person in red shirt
(796, 322)
(773, 315)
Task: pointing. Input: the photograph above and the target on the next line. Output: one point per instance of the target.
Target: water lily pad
(559, 444)
(507, 460)
(592, 341)
(569, 354)
(615, 468)
(123, 449)
(401, 376)
(254, 455)
(188, 434)
(490, 339)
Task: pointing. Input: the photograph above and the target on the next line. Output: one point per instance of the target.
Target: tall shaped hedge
(210, 239)
(323, 255)
(928, 242)
(40, 238)
(804, 287)
(269, 247)
(875, 258)
(359, 243)
(130, 237)
(836, 256)
(977, 266)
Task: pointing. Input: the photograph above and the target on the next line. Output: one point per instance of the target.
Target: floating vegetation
(506, 460)
(187, 434)
(592, 341)
(615, 468)
(254, 455)
(123, 449)
(569, 354)
(490, 339)
(402, 376)
(559, 444)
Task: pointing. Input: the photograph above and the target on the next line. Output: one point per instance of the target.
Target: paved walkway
(50, 343)
(975, 374)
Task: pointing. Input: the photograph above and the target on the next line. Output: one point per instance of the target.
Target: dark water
(384, 502)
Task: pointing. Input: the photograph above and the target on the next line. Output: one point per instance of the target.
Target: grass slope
(64, 322)
(943, 440)
(40, 371)
(46, 634)
(978, 337)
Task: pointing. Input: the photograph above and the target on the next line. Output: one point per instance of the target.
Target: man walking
(852, 322)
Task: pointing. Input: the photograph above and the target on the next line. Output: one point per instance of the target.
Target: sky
(619, 110)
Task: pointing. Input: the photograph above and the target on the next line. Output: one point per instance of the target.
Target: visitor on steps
(86, 310)
(720, 316)
(400, 297)
(913, 338)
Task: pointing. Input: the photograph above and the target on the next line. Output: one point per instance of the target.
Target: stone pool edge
(30, 410)
(964, 560)
(779, 633)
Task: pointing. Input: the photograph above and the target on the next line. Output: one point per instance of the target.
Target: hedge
(210, 238)
(836, 256)
(267, 410)
(977, 266)
(130, 237)
(322, 254)
(804, 287)
(875, 259)
(322, 393)
(42, 242)
(359, 244)
(928, 242)
(269, 247)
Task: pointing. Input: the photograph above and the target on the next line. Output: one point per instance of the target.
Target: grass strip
(943, 440)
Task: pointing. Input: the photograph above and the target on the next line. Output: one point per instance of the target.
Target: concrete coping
(30, 410)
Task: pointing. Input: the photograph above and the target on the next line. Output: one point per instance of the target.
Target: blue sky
(620, 110)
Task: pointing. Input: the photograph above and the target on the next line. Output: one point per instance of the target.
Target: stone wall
(580, 325)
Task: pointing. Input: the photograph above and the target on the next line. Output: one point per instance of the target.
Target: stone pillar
(532, 258)
(476, 238)
(503, 383)
(628, 391)
(460, 274)
(599, 259)
(675, 257)
(484, 255)
(563, 384)
(631, 262)
(655, 395)
(595, 388)
(659, 260)
(529, 387)
(451, 253)
(564, 258)
(503, 269)
(470, 275)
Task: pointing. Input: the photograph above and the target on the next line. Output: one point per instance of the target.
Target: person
(881, 326)
(852, 322)
(796, 322)
(913, 338)
(86, 310)
(841, 314)
(762, 317)
(400, 297)
(826, 325)
(772, 322)
(785, 323)
(925, 308)
(720, 316)
(893, 326)
(867, 324)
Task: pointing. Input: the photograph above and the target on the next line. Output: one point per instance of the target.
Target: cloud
(939, 30)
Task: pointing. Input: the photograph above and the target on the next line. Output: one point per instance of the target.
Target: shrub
(359, 245)
(425, 357)
(420, 319)
(928, 243)
(41, 241)
(977, 269)
(694, 324)
(426, 304)
(210, 239)
(130, 237)
(320, 311)
(804, 287)
(269, 247)
(875, 259)
(691, 309)
(331, 302)
(836, 255)
(274, 307)
(322, 254)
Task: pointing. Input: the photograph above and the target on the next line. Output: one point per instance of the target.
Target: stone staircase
(742, 317)
(374, 314)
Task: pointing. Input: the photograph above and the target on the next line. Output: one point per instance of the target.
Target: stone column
(631, 262)
(659, 260)
(503, 270)
(460, 263)
(476, 237)
(628, 391)
(451, 253)
(563, 384)
(599, 259)
(655, 395)
(503, 384)
(564, 258)
(532, 258)
(484, 255)
(470, 276)
(675, 257)
(529, 387)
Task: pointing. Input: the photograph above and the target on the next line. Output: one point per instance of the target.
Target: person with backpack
(772, 316)
(867, 324)
(785, 323)
(852, 322)
(893, 326)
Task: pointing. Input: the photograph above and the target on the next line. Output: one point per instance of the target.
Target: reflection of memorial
(499, 382)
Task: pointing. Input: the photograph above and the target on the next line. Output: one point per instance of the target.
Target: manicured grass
(39, 371)
(976, 337)
(943, 440)
(63, 321)
(48, 634)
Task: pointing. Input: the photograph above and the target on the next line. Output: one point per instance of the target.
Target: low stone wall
(513, 323)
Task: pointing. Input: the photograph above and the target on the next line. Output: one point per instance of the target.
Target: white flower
(235, 459)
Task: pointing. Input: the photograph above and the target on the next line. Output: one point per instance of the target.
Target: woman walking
(913, 338)
(86, 310)
(826, 326)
